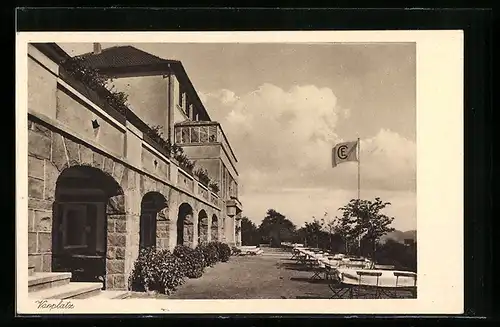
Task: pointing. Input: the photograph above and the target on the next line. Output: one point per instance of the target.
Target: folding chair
(368, 287)
(319, 269)
(412, 289)
(301, 258)
(340, 289)
(331, 272)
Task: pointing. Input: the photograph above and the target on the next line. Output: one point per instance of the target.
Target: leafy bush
(158, 271)
(156, 134)
(172, 150)
(96, 81)
(192, 260)
(210, 253)
(202, 175)
(223, 250)
(184, 162)
(214, 186)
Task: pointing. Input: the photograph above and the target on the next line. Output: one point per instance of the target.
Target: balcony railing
(199, 133)
(203, 191)
(214, 199)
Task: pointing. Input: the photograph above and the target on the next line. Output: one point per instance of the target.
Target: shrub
(202, 175)
(156, 134)
(210, 253)
(214, 186)
(157, 271)
(223, 251)
(184, 162)
(192, 260)
(96, 81)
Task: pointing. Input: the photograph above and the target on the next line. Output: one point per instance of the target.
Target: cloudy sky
(283, 107)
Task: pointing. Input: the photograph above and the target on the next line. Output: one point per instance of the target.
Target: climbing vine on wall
(94, 80)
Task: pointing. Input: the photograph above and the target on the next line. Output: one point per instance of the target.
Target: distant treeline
(361, 230)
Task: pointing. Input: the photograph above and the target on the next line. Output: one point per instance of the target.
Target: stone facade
(57, 143)
(50, 152)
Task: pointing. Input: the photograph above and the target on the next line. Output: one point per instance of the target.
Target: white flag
(344, 152)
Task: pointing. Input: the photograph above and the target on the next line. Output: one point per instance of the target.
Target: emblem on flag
(344, 152)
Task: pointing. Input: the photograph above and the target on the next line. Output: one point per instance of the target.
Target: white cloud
(283, 138)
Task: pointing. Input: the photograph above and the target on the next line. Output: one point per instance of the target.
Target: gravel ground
(267, 276)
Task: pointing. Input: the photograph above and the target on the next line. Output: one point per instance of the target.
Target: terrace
(271, 275)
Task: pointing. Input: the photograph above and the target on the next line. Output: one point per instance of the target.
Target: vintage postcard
(252, 172)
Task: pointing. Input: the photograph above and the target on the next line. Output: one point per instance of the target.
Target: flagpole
(359, 169)
(359, 185)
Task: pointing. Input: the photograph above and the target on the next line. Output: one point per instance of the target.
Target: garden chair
(339, 288)
(320, 268)
(368, 287)
(295, 253)
(412, 289)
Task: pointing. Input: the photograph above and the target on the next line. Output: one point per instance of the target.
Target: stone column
(131, 186)
(229, 230)
(162, 230)
(116, 254)
(188, 233)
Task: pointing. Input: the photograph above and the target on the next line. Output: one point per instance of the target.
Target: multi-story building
(102, 183)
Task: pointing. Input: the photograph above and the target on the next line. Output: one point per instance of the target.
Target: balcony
(202, 133)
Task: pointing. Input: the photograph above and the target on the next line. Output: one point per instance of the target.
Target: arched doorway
(214, 228)
(185, 228)
(202, 227)
(152, 206)
(85, 199)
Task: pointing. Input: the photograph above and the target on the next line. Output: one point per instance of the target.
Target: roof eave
(52, 51)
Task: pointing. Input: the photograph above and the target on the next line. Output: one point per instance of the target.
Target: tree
(334, 230)
(363, 220)
(276, 228)
(403, 257)
(313, 232)
(249, 232)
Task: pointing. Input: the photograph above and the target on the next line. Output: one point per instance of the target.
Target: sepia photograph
(169, 170)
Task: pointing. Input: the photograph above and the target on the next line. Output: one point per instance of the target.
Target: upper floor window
(190, 111)
(182, 98)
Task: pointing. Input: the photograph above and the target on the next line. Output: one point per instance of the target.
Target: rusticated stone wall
(49, 153)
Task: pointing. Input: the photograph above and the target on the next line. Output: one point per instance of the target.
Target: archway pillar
(131, 220)
(203, 225)
(117, 238)
(209, 229)
(190, 231)
(172, 229)
(162, 229)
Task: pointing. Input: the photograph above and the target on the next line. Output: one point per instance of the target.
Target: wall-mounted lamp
(155, 163)
(95, 123)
